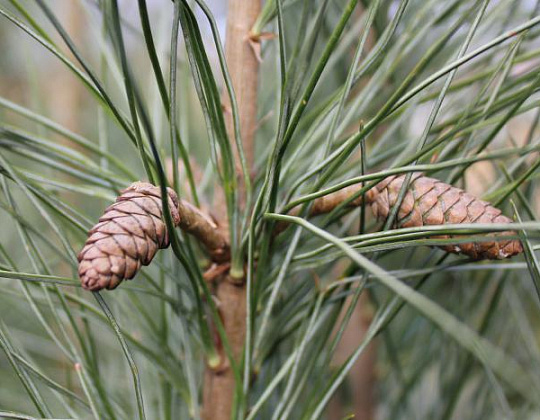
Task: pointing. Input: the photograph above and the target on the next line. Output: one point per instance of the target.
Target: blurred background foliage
(64, 156)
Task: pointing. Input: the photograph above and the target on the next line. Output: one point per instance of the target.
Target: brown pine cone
(429, 201)
(127, 236)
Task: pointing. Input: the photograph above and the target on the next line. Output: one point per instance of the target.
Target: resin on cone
(127, 236)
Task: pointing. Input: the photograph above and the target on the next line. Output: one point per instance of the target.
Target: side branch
(327, 203)
(201, 226)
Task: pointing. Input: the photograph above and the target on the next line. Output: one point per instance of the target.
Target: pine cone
(127, 236)
(429, 201)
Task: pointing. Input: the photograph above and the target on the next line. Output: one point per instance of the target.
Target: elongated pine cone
(429, 201)
(128, 235)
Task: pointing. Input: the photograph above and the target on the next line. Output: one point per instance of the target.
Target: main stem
(244, 70)
(219, 383)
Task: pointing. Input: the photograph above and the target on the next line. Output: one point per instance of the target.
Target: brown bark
(205, 229)
(219, 384)
(327, 203)
(244, 68)
(219, 381)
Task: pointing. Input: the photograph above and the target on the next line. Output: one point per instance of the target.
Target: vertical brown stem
(244, 68)
(243, 65)
(219, 383)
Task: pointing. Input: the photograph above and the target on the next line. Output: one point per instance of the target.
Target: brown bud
(429, 201)
(127, 236)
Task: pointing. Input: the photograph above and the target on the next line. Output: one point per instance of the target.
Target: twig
(200, 225)
(328, 203)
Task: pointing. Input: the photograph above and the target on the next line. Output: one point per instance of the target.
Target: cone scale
(430, 202)
(127, 236)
